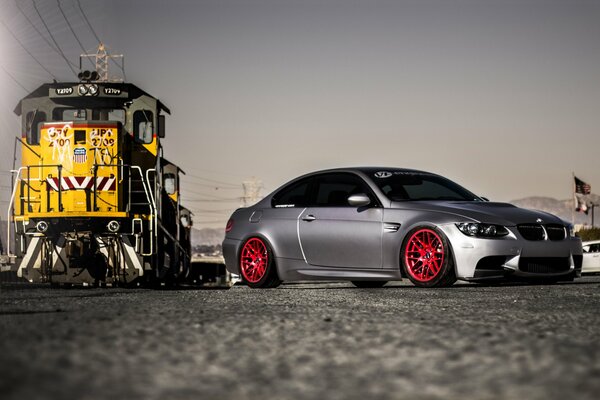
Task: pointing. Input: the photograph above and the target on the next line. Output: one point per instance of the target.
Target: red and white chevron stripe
(103, 183)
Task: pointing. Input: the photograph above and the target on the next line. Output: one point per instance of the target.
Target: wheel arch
(264, 237)
(405, 237)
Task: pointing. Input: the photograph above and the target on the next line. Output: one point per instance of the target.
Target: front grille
(544, 265)
(531, 231)
(556, 232)
(552, 232)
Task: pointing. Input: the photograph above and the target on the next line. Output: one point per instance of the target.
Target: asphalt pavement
(302, 341)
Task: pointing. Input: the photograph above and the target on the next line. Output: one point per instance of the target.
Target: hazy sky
(500, 96)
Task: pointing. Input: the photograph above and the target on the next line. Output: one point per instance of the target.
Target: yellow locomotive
(94, 200)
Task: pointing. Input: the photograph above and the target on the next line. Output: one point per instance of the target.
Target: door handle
(309, 218)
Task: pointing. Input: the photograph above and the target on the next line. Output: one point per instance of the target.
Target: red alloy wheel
(254, 260)
(424, 255)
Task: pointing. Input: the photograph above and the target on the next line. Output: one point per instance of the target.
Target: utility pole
(252, 188)
(102, 58)
(593, 205)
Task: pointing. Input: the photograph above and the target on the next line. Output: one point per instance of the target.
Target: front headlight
(571, 230)
(482, 230)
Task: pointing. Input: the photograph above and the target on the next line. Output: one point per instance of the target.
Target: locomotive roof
(133, 92)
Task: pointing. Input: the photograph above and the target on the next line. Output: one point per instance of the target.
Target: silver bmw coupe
(374, 225)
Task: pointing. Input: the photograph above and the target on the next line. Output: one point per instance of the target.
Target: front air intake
(544, 265)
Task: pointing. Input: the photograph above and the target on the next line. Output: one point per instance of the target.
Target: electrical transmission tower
(102, 58)
(252, 188)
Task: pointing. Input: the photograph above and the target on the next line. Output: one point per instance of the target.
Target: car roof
(369, 170)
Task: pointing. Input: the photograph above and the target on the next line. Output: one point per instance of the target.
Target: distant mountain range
(560, 208)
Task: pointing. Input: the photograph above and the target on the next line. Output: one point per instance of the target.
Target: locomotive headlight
(41, 226)
(113, 226)
(482, 230)
(93, 90)
(82, 90)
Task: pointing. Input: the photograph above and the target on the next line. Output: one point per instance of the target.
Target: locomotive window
(32, 129)
(79, 136)
(109, 114)
(143, 129)
(69, 114)
(170, 184)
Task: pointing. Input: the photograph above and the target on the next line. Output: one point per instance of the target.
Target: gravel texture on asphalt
(302, 341)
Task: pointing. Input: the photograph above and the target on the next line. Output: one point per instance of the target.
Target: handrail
(28, 147)
(11, 208)
(153, 200)
(152, 206)
(145, 179)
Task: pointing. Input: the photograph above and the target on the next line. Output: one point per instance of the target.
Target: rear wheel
(427, 259)
(257, 264)
(369, 284)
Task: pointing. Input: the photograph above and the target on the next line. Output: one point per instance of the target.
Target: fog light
(41, 226)
(113, 226)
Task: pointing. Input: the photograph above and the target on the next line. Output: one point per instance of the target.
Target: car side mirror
(359, 200)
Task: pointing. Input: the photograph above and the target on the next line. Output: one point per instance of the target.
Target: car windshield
(410, 186)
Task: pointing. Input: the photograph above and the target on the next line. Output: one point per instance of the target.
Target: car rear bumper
(231, 248)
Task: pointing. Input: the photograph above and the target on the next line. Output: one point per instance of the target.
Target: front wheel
(426, 258)
(257, 264)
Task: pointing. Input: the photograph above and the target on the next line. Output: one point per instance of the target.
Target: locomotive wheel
(426, 258)
(257, 264)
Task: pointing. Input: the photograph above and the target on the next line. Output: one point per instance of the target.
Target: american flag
(80, 155)
(581, 187)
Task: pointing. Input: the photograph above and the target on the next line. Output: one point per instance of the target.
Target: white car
(591, 257)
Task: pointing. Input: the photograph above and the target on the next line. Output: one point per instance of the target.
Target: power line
(217, 182)
(211, 200)
(28, 52)
(70, 27)
(52, 37)
(88, 22)
(38, 31)
(15, 79)
(215, 187)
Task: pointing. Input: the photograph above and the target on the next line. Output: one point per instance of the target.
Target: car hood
(487, 212)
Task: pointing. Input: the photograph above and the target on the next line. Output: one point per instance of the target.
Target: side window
(333, 190)
(170, 183)
(143, 127)
(32, 120)
(595, 248)
(295, 195)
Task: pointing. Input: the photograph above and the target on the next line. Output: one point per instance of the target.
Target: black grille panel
(556, 232)
(531, 231)
(553, 232)
(544, 265)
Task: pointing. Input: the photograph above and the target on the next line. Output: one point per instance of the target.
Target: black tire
(253, 251)
(369, 284)
(419, 259)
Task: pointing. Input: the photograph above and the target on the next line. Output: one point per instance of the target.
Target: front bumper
(483, 259)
